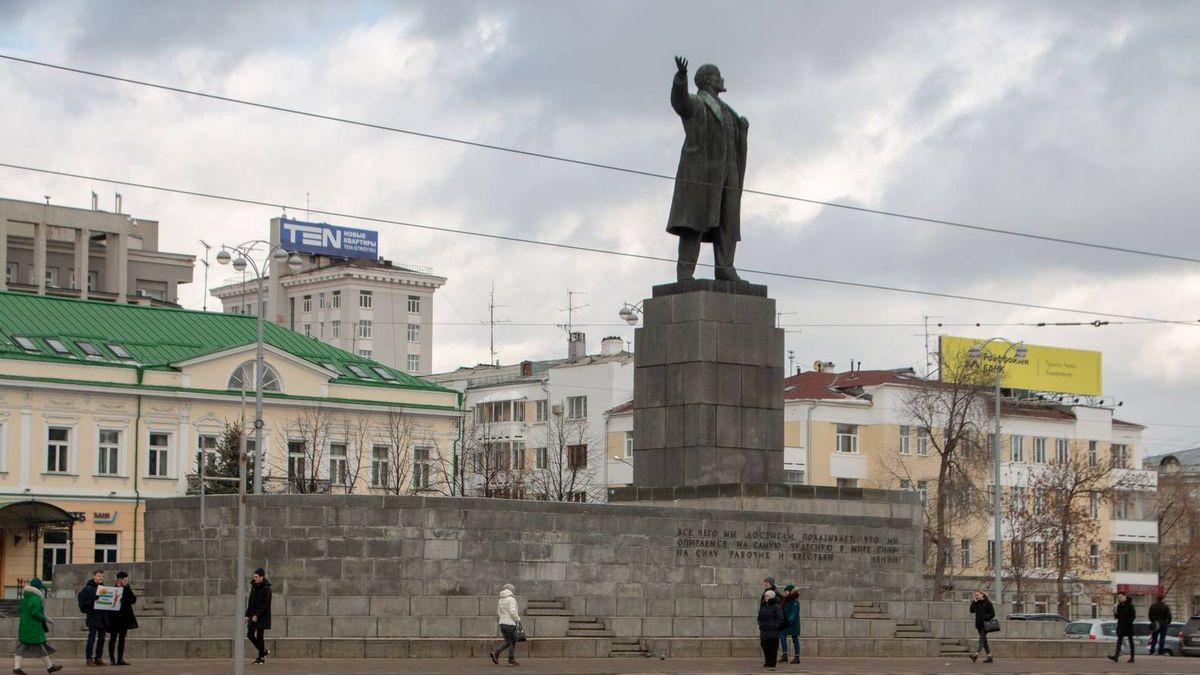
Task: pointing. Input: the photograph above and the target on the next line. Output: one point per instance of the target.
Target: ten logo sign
(326, 239)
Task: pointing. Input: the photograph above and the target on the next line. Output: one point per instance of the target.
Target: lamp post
(243, 259)
(976, 353)
(629, 313)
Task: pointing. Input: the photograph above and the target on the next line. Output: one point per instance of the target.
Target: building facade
(1178, 512)
(49, 249)
(366, 306)
(104, 406)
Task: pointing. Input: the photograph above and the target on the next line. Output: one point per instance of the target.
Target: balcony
(1135, 531)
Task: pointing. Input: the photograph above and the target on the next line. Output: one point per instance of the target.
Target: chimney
(611, 345)
(526, 368)
(576, 346)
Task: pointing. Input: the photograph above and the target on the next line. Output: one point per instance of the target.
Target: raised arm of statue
(680, 100)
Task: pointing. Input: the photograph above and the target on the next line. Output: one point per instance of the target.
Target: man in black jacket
(1160, 620)
(121, 621)
(258, 613)
(97, 619)
(1125, 614)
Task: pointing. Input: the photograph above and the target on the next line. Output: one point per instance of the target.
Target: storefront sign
(104, 517)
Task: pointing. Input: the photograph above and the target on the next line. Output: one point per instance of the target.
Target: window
(1120, 455)
(308, 330)
(26, 344)
(336, 297)
(576, 407)
(905, 440)
(364, 299)
(380, 466)
(10, 272)
(923, 442)
(421, 467)
(1017, 554)
(243, 378)
(847, 482)
(1062, 451)
(296, 460)
(106, 547)
(306, 304)
(58, 450)
(335, 329)
(366, 354)
(1039, 555)
(847, 438)
(792, 477)
(991, 499)
(414, 332)
(629, 444)
(58, 346)
(52, 277)
(1018, 499)
(160, 451)
(991, 554)
(108, 447)
(1094, 503)
(1039, 501)
(540, 459)
(1093, 453)
(206, 448)
(577, 456)
(905, 484)
(1094, 557)
(321, 301)
(337, 463)
(1122, 507)
(364, 328)
(414, 304)
(120, 351)
(541, 410)
(384, 373)
(1041, 603)
(965, 553)
(89, 349)
(358, 370)
(56, 550)
(923, 490)
(414, 363)
(1016, 445)
(1039, 451)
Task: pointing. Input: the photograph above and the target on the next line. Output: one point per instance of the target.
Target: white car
(1102, 630)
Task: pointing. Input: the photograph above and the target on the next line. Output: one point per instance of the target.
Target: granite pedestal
(708, 386)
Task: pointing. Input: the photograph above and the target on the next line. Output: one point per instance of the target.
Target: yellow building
(853, 429)
(105, 406)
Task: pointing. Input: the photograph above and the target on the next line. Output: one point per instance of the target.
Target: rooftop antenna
(778, 318)
(928, 353)
(308, 206)
(791, 361)
(117, 202)
(206, 248)
(492, 325)
(95, 201)
(570, 310)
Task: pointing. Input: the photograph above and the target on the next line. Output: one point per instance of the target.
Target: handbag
(991, 626)
(521, 637)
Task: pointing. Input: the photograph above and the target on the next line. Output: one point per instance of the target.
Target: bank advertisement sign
(1051, 369)
(326, 239)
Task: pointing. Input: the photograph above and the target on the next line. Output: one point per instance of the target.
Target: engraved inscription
(796, 544)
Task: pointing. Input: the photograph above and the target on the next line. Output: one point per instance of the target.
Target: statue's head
(708, 78)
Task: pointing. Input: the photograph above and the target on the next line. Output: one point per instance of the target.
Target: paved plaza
(1147, 665)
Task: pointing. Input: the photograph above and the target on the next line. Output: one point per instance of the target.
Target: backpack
(84, 605)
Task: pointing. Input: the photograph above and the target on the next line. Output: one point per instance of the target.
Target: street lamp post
(976, 353)
(243, 259)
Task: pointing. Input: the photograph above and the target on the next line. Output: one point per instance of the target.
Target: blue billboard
(326, 239)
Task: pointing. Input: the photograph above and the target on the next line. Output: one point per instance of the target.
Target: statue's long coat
(703, 165)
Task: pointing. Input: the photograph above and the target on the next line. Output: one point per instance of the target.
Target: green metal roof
(156, 337)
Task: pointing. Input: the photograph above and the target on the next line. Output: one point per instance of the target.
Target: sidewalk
(1158, 665)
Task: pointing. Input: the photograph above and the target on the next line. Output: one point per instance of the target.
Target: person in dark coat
(258, 613)
(768, 585)
(707, 202)
(983, 610)
(97, 619)
(121, 622)
(1125, 614)
(1160, 619)
(770, 618)
(791, 616)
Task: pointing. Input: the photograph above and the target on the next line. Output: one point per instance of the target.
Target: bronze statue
(707, 202)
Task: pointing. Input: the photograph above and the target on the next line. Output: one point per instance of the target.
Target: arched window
(243, 378)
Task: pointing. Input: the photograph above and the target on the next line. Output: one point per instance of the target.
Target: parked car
(1042, 616)
(1101, 630)
(1142, 630)
(1105, 630)
(1189, 637)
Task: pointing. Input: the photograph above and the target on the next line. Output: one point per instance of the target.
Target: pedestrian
(121, 622)
(770, 620)
(791, 616)
(1160, 619)
(768, 585)
(1125, 614)
(984, 612)
(509, 618)
(32, 627)
(258, 613)
(97, 619)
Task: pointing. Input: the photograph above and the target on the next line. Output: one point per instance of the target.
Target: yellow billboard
(1054, 369)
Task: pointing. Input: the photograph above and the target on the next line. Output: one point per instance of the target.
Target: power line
(597, 165)
(587, 249)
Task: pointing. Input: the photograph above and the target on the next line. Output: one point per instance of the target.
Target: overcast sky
(1073, 120)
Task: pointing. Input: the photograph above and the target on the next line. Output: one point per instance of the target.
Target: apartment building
(50, 250)
(104, 406)
(350, 299)
(1178, 508)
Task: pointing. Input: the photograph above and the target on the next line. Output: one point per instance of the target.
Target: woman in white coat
(509, 618)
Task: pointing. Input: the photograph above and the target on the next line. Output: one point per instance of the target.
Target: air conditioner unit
(556, 410)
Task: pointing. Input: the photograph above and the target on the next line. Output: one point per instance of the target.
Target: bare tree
(305, 438)
(1024, 527)
(1178, 514)
(563, 472)
(488, 466)
(950, 414)
(355, 430)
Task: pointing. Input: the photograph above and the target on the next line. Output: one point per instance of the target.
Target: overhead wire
(596, 165)
(580, 247)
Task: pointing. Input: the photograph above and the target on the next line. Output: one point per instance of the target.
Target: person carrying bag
(985, 622)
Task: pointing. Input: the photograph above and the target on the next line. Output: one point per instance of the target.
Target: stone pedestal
(708, 386)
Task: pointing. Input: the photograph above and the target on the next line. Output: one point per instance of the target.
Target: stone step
(869, 616)
(597, 633)
(549, 612)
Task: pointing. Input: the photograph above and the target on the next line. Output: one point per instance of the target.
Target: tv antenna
(205, 261)
(570, 310)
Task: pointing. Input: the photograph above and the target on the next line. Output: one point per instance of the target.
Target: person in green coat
(31, 630)
(791, 614)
